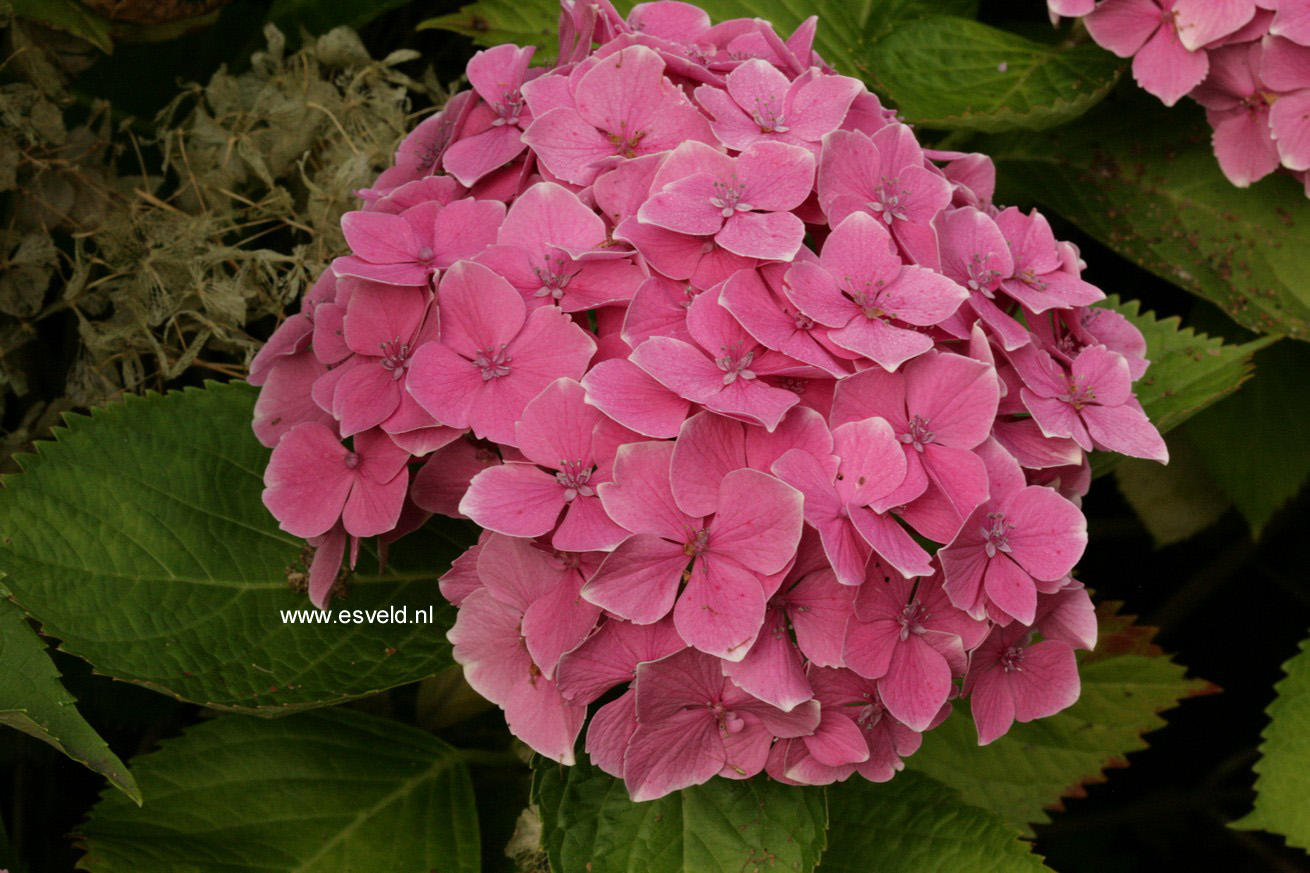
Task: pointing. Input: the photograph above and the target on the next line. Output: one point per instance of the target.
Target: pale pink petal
(285, 399)
(1049, 532)
(884, 343)
(721, 610)
(869, 645)
(772, 670)
(519, 500)
(1203, 21)
(641, 497)
(326, 564)
(557, 622)
(708, 447)
(675, 753)
(1168, 70)
(486, 642)
(916, 684)
(776, 177)
(957, 396)
(307, 481)
(776, 236)
(567, 145)
(819, 607)
(758, 524)
(635, 399)
(1124, 26)
(891, 541)
(1290, 121)
(540, 716)
(1048, 681)
(1010, 589)
(1127, 430)
(872, 461)
(441, 482)
(610, 731)
(992, 706)
(468, 160)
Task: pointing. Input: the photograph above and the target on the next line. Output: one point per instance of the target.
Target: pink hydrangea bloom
(775, 425)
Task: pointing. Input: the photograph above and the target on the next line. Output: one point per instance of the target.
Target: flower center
(918, 435)
(425, 254)
(555, 276)
(493, 363)
(1080, 394)
(887, 200)
(508, 109)
(352, 460)
(689, 293)
(997, 533)
(395, 357)
(727, 197)
(794, 385)
(1012, 660)
(870, 713)
(625, 143)
(729, 721)
(1029, 278)
(573, 476)
(803, 321)
(697, 542)
(912, 618)
(768, 116)
(982, 278)
(734, 365)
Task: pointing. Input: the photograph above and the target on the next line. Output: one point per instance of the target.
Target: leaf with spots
(34, 701)
(1126, 682)
(955, 74)
(847, 30)
(320, 792)
(724, 826)
(1283, 772)
(1161, 201)
(138, 538)
(914, 824)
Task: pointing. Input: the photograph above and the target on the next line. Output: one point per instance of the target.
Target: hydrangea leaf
(1161, 201)
(34, 701)
(1126, 683)
(1283, 772)
(70, 16)
(956, 74)
(724, 826)
(139, 539)
(1271, 468)
(1189, 371)
(319, 792)
(915, 823)
(846, 32)
(1176, 500)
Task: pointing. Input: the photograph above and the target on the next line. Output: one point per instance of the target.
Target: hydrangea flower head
(774, 423)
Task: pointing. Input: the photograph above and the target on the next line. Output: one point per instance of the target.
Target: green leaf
(33, 700)
(1126, 683)
(320, 16)
(70, 16)
(1273, 464)
(1283, 772)
(139, 539)
(724, 826)
(956, 74)
(846, 32)
(914, 824)
(320, 792)
(1143, 180)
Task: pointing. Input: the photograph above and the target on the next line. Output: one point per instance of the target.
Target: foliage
(1283, 771)
(33, 701)
(956, 74)
(317, 793)
(139, 540)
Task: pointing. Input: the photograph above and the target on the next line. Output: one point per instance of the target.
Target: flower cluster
(775, 425)
(1246, 61)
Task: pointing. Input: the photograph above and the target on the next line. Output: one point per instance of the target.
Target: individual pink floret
(494, 356)
(413, 247)
(744, 203)
(862, 291)
(1010, 680)
(729, 562)
(1285, 68)
(1022, 534)
(489, 641)
(693, 724)
(1147, 31)
(496, 74)
(570, 446)
(763, 105)
(312, 481)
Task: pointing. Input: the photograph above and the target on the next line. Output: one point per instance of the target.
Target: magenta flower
(884, 176)
(1021, 534)
(1040, 281)
(867, 465)
(861, 290)
(976, 255)
(312, 481)
(940, 407)
(1092, 403)
(494, 356)
(735, 557)
(570, 446)
(553, 249)
(413, 247)
(693, 724)
(624, 107)
(496, 75)
(762, 105)
(1148, 32)
(856, 734)
(759, 302)
(721, 372)
(490, 641)
(744, 203)
(1238, 110)
(1010, 680)
(912, 641)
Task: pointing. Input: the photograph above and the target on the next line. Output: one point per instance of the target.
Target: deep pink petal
(772, 669)
(639, 579)
(515, 499)
(306, 482)
(635, 399)
(721, 610)
(917, 683)
(758, 524)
